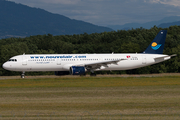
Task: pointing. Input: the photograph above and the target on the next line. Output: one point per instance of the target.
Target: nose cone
(8, 66)
(5, 66)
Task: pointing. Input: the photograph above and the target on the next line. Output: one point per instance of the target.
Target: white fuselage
(63, 62)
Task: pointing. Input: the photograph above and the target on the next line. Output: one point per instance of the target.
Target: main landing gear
(23, 75)
(92, 73)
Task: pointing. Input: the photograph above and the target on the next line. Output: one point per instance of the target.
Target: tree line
(121, 41)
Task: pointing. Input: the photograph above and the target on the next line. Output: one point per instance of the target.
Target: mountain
(147, 25)
(17, 20)
(166, 25)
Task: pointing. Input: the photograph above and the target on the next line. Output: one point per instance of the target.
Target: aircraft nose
(9, 66)
(5, 66)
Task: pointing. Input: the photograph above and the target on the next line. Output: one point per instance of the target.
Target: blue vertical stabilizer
(157, 45)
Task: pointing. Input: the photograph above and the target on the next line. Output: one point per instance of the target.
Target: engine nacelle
(77, 70)
(59, 73)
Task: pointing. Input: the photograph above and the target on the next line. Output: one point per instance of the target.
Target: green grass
(91, 98)
(90, 82)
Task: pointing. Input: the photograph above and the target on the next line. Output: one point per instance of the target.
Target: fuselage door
(58, 61)
(24, 60)
(143, 59)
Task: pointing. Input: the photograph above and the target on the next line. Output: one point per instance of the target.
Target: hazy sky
(109, 12)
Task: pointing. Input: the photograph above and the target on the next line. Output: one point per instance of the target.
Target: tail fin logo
(155, 46)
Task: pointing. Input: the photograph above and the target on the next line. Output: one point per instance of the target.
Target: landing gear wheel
(83, 74)
(23, 75)
(93, 74)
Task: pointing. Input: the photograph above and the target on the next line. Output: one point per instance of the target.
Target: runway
(98, 75)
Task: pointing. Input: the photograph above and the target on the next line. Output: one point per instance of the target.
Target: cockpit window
(13, 60)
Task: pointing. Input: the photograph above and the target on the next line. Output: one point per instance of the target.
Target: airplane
(79, 64)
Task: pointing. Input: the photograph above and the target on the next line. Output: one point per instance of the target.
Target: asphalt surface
(98, 75)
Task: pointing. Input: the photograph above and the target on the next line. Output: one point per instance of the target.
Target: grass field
(91, 98)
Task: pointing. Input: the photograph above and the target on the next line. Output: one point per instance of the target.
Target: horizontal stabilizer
(160, 59)
(166, 56)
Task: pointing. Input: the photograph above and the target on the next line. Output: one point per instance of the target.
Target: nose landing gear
(23, 75)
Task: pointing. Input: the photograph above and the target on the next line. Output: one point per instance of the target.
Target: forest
(121, 41)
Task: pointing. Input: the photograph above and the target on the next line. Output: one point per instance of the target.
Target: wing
(100, 65)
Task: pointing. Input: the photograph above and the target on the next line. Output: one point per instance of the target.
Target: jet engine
(77, 70)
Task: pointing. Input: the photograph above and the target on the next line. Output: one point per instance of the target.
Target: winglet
(157, 45)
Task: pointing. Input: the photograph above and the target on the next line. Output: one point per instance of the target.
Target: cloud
(66, 2)
(47, 1)
(109, 12)
(175, 3)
